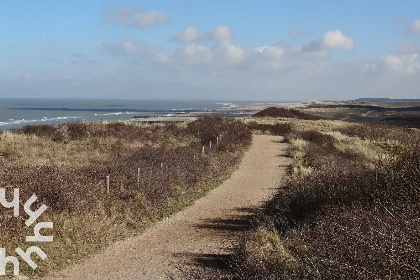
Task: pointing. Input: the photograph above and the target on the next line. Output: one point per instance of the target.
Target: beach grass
(348, 208)
(154, 171)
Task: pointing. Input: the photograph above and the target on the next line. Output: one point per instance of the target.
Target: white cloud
(331, 40)
(415, 26)
(268, 57)
(337, 40)
(225, 52)
(269, 52)
(189, 34)
(403, 64)
(193, 54)
(131, 16)
(202, 58)
(220, 34)
(311, 51)
(273, 69)
(409, 26)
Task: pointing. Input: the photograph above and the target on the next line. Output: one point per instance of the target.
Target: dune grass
(66, 167)
(348, 209)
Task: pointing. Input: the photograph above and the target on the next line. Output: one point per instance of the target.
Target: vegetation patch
(403, 114)
(349, 208)
(102, 182)
(273, 129)
(286, 113)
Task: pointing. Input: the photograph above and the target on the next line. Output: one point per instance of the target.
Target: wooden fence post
(107, 184)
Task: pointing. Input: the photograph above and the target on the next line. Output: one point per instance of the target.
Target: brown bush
(347, 219)
(231, 133)
(40, 130)
(275, 129)
(382, 133)
(364, 242)
(286, 113)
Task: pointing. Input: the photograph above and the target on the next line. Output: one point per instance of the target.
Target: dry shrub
(398, 177)
(77, 131)
(127, 132)
(355, 219)
(265, 253)
(364, 242)
(315, 137)
(231, 133)
(40, 130)
(332, 184)
(286, 113)
(87, 218)
(280, 129)
(382, 133)
(320, 148)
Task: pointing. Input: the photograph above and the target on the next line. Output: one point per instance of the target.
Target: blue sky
(210, 49)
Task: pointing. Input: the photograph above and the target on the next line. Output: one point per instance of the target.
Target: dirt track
(195, 238)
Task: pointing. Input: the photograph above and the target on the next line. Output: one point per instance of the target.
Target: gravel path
(196, 237)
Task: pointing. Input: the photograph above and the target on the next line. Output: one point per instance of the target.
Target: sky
(210, 49)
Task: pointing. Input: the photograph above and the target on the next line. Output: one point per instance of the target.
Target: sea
(17, 113)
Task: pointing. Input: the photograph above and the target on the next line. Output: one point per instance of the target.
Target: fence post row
(107, 184)
(161, 167)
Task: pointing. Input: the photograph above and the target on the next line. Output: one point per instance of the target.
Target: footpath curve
(197, 236)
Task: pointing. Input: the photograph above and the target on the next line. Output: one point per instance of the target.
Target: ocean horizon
(18, 112)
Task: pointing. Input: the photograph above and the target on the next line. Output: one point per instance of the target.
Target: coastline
(16, 113)
(237, 110)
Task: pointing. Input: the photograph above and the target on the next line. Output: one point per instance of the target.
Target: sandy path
(194, 236)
